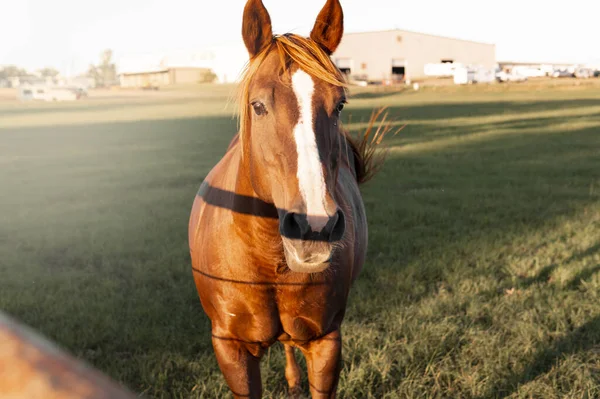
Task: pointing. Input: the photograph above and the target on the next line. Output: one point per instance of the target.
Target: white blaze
(310, 172)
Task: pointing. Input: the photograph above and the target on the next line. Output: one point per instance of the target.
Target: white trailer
(45, 93)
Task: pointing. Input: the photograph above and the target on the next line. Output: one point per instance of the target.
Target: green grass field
(483, 273)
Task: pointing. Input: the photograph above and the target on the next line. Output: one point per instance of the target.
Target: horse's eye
(259, 108)
(340, 107)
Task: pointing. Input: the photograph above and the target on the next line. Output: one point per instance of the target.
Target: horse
(278, 230)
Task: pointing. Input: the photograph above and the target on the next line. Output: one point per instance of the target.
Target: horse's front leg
(240, 367)
(292, 372)
(323, 361)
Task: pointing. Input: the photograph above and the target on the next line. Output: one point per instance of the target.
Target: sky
(71, 34)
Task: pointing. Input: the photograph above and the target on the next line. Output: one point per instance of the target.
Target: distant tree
(11, 71)
(208, 76)
(104, 73)
(94, 74)
(48, 72)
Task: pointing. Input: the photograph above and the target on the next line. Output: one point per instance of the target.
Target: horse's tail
(368, 158)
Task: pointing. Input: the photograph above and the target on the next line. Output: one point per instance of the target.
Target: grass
(483, 273)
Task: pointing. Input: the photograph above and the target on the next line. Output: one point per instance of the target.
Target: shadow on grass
(472, 196)
(445, 110)
(426, 129)
(135, 299)
(542, 277)
(582, 276)
(594, 249)
(579, 340)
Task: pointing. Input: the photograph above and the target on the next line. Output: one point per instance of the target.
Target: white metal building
(396, 55)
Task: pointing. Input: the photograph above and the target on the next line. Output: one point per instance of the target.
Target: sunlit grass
(483, 273)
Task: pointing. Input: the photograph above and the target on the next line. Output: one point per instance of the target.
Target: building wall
(372, 53)
(188, 75)
(185, 75)
(161, 78)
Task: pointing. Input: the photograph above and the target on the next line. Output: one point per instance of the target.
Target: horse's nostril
(339, 226)
(302, 222)
(335, 227)
(293, 225)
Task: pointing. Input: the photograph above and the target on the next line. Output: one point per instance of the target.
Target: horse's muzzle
(307, 256)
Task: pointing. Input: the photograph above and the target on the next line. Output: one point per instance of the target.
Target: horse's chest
(309, 313)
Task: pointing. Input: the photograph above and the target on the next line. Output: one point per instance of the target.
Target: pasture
(483, 273)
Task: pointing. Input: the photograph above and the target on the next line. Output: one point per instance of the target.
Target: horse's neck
(264, 217)
(259, 230)
(243, 185)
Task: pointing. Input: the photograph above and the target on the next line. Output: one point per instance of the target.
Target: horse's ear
(256, 28)
(329, 27)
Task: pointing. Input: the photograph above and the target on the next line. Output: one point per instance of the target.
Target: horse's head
(291, 99)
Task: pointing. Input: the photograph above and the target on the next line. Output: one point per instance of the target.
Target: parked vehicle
(584, 73)
(562, 73)
(529, 72)
(547, 69)
(79, 91)
(44, 93)
(464, 75)
(61, 94)
(484, 75)
(39, 93)
(25, 94)
(512, 76)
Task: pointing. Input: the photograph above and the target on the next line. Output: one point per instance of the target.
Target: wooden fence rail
(32, 367)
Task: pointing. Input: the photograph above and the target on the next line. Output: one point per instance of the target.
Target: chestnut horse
(278, 230)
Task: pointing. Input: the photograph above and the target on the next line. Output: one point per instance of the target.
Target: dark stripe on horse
(249, 206)
(236, 202)
(282, 283)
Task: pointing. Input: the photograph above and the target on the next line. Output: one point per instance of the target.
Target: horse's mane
(311, 58)
(367, 160)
